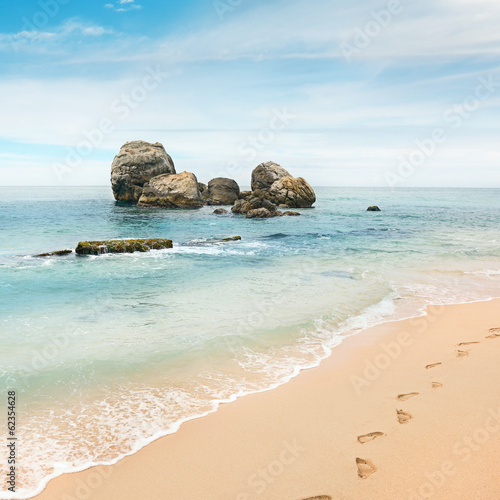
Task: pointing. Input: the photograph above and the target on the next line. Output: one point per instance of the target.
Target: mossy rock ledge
(121, 246)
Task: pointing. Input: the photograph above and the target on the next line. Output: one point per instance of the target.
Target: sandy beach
(405, 410)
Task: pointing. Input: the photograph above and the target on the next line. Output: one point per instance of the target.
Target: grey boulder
(135, 165)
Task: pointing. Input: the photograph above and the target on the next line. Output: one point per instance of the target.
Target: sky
(391, 93)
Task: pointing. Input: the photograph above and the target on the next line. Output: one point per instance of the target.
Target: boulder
(121, 246)
(291, 214)
(373, 209)
(261, 213)
(273, 182)
(292, 192)
(221, 191)
(135, 164)
(220, 211)
(266, 174)
(172, 191)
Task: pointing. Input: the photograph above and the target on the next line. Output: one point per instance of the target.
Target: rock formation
(121, 246)
(135, 165)
(172, 191)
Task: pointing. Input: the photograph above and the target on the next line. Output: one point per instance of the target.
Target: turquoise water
(108, 353)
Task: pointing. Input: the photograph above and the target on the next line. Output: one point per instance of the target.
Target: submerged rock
(57, 253)
(172, 191)
(232, 238)
(121, 246)
(135, 165)
(220, 211)
(291, 214)
(374, 208)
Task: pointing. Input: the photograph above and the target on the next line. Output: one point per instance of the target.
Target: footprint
(369, 437)
(365, 468)
(404, 397)
(494, 330)
(433, 365)
(320, 497)
(493, 336)
(462, 354)
(403, 416)
(467, 343)
(437, 385)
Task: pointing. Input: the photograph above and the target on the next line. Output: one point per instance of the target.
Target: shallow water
(107, 353)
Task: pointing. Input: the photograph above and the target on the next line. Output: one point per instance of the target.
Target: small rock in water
(374, 208)
(220, 211)
(58, 253)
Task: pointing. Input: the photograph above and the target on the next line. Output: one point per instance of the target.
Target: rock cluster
(144, 173)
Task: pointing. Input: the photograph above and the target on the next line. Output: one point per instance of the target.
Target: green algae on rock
(121, 246)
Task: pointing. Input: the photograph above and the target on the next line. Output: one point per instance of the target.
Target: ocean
(108, 353)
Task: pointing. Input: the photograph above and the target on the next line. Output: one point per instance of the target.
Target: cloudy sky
(360, 92)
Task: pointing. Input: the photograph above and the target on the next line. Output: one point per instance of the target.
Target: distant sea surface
(108, 353)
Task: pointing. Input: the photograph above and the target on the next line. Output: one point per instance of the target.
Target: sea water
(107, 353)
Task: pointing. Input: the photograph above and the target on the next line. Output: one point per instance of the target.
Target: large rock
(292, 192)
(135, 164)
(266, 174)
(221, 191)
(273, 182)
(172, 191)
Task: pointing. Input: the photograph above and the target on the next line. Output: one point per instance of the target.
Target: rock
(121, 246)
(291, 214)
(220, 211)
(58, 253)
(261, 213)
(292, 192)
(172, 191)
(135, 164)
(202, 187)
(374, 208)
(273, 182)
(232, 238)
(245, 194)
(222, 191)
(266, 174)
(244, 206)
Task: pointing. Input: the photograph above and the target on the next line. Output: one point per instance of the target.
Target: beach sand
(405, 410)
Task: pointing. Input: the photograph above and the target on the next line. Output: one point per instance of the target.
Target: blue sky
(373, 93)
